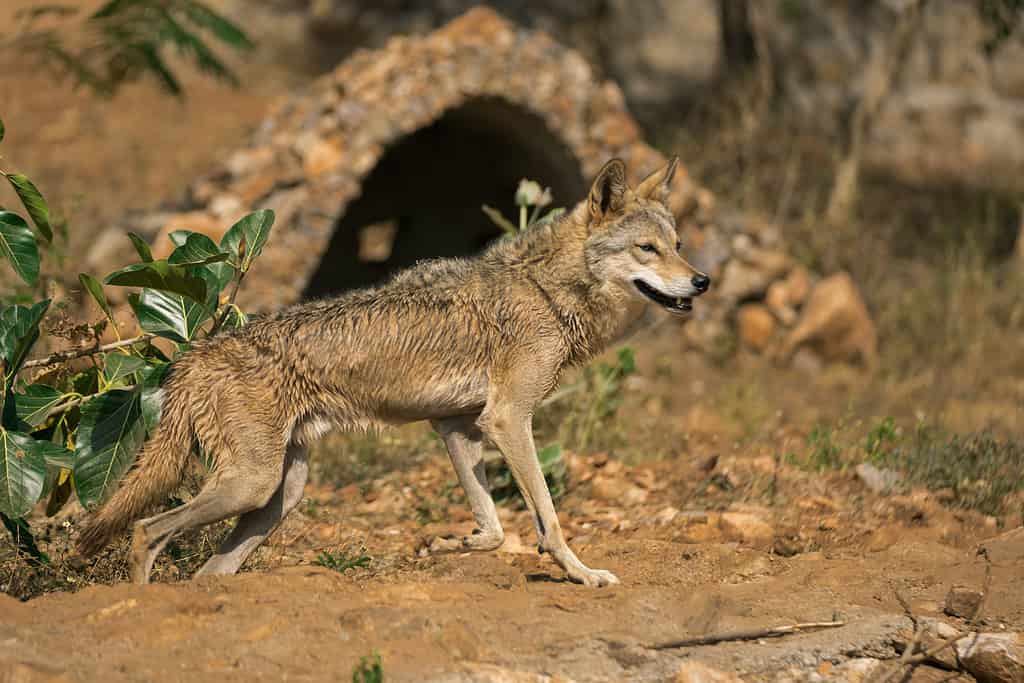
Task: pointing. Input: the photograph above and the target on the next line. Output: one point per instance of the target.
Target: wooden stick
(752, 634)
(62, 356)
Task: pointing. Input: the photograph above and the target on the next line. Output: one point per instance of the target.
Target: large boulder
(835, 324)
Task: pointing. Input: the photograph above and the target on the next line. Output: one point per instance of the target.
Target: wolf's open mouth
(676, 304)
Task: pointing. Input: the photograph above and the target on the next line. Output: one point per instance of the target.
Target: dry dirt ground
(700, 503)
(715, 532)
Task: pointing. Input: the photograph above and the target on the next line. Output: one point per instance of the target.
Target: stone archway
(426, 191)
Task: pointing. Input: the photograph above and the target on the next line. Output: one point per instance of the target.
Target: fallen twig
(752, 634)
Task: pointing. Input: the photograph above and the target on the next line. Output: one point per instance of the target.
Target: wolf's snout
(701, 282)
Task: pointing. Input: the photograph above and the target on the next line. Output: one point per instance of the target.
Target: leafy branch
(123, 40)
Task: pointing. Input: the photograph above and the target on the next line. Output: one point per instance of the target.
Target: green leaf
(168, 315)
(117, 365)
(20, 532)
(22, 471)
(216, 276)
(32, 405)
(179, 237)
(19, 329)
(18, 244)
(151, 396)
(109, 434)
(226, 31)
(34, 203)
(141, 247)
(54, 454)
(197, 250)
(92, 285)
(252, 230)
(160, 275)
(499, 220)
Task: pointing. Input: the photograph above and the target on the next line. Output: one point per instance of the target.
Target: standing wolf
(472, 345)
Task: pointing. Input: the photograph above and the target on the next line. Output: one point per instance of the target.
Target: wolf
(471, 344)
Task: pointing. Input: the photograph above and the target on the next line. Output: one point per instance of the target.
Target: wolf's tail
(156, 474)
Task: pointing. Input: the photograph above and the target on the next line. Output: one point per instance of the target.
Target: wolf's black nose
(701, 282)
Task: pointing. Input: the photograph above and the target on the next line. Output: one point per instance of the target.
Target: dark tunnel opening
(423, 198)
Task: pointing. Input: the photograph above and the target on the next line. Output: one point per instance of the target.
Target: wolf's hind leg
(254, 527)
(237, 489)
(464, 441)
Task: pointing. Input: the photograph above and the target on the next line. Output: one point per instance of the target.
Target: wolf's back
(156, 474)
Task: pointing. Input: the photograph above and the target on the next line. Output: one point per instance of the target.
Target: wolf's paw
(594, 578)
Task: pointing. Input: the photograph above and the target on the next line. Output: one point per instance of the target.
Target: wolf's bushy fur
(470, 344)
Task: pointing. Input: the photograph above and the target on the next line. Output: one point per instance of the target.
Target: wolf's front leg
(511, 430)
(465, 447)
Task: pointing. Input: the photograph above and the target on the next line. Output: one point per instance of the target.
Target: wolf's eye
(649, 248)
(679, 247)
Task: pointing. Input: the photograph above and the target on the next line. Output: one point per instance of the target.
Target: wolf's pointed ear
(658, 185)
(608, 193)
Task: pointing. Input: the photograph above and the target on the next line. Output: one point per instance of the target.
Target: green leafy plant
(825, 451)
(123, 40)
(76, 428)
(342, 560)
(881, 439)
(369, 670)
(594, 399)
(978, 471)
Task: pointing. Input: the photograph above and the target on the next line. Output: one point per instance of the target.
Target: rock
(755, 326)
(1006, 548)
(476, 672)
(934, 633)
(878, 480)
(857, 670)
(752, 271)
(777, 301)
(616, 490)
(992, 657)
(835, 322)
(747, 528)
(696, 672)
(322, 157)
(741, 281)
(962, 601)
(798, 286)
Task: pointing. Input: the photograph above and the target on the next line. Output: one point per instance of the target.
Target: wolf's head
(632, 242)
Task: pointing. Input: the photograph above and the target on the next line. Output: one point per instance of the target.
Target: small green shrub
(824, 450)
(369, 670)
(980, 470)
(342, 560)
(881, 438)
